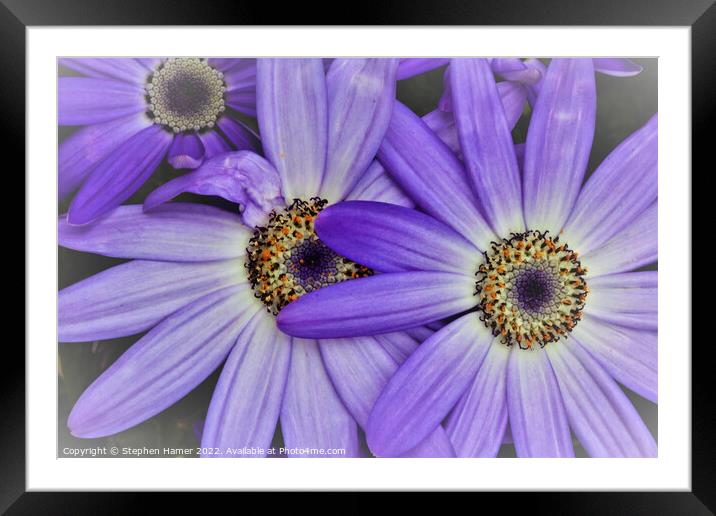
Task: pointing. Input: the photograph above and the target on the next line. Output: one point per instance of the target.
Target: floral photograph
(357, 257)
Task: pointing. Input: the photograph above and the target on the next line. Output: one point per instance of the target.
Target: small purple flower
(136, 112)
(205, 284)
(533, 266)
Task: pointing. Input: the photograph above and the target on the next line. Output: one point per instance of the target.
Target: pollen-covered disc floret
(531, 289)
(286, 259)
(186, 94)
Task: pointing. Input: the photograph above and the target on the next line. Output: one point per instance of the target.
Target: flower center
(286, 259)
(186, 94)
(531, 289)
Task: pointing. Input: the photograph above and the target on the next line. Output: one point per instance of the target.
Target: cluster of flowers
(424, 284)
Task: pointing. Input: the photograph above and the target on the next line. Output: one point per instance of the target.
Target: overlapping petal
(424, 389)
(391, 238)
(378, 304)
(86, 100)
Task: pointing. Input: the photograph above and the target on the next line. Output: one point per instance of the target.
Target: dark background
(624, 105)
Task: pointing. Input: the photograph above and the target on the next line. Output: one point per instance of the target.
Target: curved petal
(247, 399)
(636, 245)
(513, 96)
(537, 417)
(391, 238)
(313, 418)
(486, 143)
(427, 386)
(359, 368)
(239, 135)
(379, 304)
(162, 367)
(602, 417)
(623, 186)
(186, 151)
(376, 185)
(80, 152)
(559, 140)
(121, 68)
(617, 67)
(134, 296)
(478, 423)
(214, 144)
(627, 299)
(630, 356)
(85, 100)
(401, 344)
(241, 177)
(119, 175)
(410, 67)
(293, 117)
(431, 174)
(175, 232)
(361, 94)
(443, 125)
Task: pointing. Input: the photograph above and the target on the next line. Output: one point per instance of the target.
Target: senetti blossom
(206, 284)
(134, 113)
(537, 270)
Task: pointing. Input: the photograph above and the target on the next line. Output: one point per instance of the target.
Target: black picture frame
(17, 15)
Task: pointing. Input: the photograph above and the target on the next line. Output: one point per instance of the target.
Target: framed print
(376, 257)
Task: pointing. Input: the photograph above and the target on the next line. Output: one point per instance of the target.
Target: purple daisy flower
(136, 112)
(534, 267)
(205, 284)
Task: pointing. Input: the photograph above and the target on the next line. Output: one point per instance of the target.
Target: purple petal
(85, 100)
(133, 297)
(410, 67)
(122, 68)
(431, 174)
(238, 134)
(292, 113)
(162, 367)
(617, 67)
(630, 356)
(213, 144)
(79, 153)
(636, 245)
(241, 177)
(359, 368)
(513, 98)
(391, 238)
(246, 402)
(628, 299)
(119, 175)
(477, 425)
(186, 151)
(559, 140)
(486, 143)
(623, 186)
(361, 94)
(602, 417)
(534, 89)
(443, 125)
(312, 415)
(515, 70)
(175, 232)
(378, 304)
(376, 185)
(537, 417)
(427, 386)
(400, 345)
(241, 86)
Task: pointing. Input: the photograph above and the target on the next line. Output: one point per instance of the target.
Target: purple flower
(205, 286)
(136, 112)
(533, 266)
